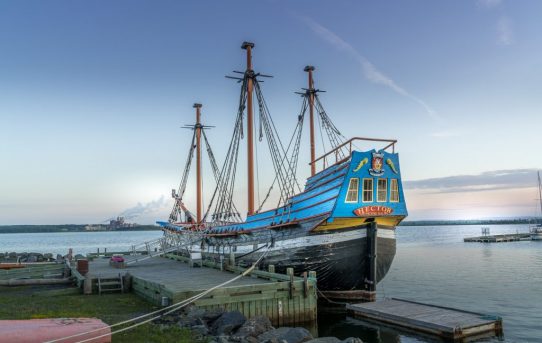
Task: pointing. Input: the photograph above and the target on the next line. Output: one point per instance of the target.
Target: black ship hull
(340, 258)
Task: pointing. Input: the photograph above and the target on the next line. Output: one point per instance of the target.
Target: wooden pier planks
(262, 293)
(513, 237)
(447, 323)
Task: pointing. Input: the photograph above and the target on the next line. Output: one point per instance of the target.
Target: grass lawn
(31, 302)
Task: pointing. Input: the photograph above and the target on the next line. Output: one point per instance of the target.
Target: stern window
(367, 190)
(394, 190)
(352, 193)
(382, 192)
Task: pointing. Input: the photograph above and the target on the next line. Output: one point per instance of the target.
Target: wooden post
(305, 285)
(232, 259)
(127, 282)
(290, 272)
(87, 286)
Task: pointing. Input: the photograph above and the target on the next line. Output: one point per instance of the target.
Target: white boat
(536, 231)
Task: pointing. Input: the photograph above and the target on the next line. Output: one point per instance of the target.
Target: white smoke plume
(143, 208)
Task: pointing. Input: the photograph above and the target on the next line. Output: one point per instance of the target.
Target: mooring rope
(171, 308)
(324, 296)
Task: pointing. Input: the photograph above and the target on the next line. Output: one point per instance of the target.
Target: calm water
(81, 242)
(432, 265)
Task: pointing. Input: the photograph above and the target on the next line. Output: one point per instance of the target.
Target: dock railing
(343, 151)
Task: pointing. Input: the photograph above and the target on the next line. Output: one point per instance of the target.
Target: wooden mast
(250, 130)
(198, 164)
(310, 69)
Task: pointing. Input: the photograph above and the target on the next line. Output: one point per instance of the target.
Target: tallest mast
(250, 130)
(310, 91)
(198, 163)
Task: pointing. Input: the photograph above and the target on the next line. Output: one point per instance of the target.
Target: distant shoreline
(473, 222)
(67, 228)
(81, 228)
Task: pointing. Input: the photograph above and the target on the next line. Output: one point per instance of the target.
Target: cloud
(150, 207)
(490, 180)
(368, 69)
(505, 31)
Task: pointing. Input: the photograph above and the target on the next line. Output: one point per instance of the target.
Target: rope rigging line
(334, 135)
(169, 309)
(215, 169)
(221, 204)
(281, 163)
(294, 157)
(321, 135)
(177, 206)
(224, 210)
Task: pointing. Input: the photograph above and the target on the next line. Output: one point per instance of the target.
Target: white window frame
(369, 190)
(378, 190)
(351, 189)
(394, 190)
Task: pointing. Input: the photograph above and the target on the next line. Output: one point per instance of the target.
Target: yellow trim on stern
(344, 223)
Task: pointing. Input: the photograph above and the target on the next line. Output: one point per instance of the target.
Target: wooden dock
(284, 299)
(447, 323)
(512, 237)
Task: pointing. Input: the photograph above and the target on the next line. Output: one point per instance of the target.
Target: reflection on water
(329, 324)
(486, 251)
(434, 265)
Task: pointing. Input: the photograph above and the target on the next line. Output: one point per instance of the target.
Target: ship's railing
(343, 152)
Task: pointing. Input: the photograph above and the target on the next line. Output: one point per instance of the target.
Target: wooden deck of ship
(285, 299)
(512, 237)
(447, 323)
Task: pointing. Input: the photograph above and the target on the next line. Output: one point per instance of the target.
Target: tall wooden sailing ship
(341, 224)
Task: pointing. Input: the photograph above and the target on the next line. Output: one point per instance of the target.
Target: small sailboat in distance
(536, 231)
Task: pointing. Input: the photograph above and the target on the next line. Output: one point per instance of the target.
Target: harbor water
(432, 265)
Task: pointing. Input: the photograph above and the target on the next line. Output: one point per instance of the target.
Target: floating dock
(284, 298)
(512, 237)
(447, 323)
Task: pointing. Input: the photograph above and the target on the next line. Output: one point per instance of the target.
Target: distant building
(95, 228)
(119, 223)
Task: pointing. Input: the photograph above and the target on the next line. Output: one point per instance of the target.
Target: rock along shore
(218, 326)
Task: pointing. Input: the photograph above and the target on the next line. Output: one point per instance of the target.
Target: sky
(93, 95)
